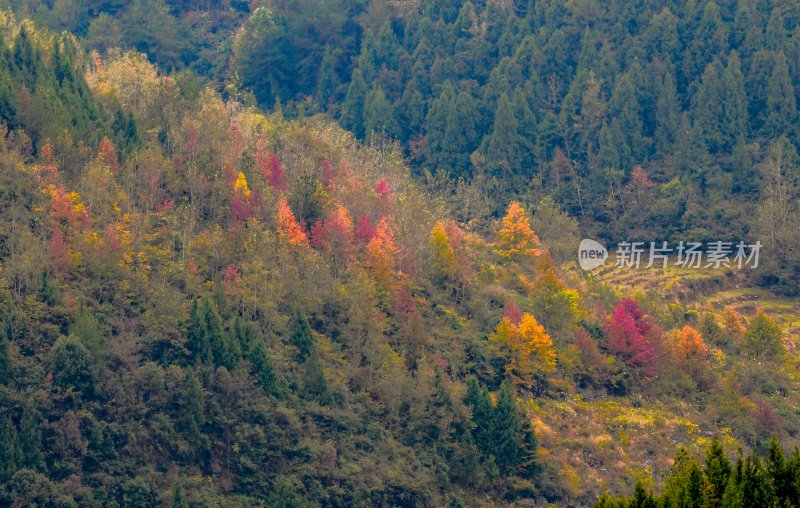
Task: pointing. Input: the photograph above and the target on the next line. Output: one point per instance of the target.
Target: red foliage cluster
(365, 230)
(382, 188)
(629, 337)
(272, 169)
(108, 154)
(513, 313)
(60, 260)
(329, 179)
(240, 209)
(335, 233)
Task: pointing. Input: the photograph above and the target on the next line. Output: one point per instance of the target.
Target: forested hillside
(567, 99)
(525, 99)
(323, 254)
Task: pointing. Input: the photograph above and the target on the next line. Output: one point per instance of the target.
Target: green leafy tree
(30, 436)
(178, 499)
(314, 381)
(87, 330)
(72, 366)
(763, 338)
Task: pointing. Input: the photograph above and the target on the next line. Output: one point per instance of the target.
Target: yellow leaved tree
(526, 347)
(516, 239)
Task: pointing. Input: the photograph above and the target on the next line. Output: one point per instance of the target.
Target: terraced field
(708, 289)
(610, 442)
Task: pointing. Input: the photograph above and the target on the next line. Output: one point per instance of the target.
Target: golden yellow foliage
(241, 186)
(516, 238)
(443, 258)
(527, 347)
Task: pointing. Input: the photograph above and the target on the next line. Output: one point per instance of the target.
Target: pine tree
(224, 350)
(301, 337)
(461, 134)
(781, 114)
(778, 471)
(244, 333)
(624, 111)
(198, 342)
(378, 114)
(6, 364)
(668, 115)
(613, 152)
(193, 416)
(709, 39)
(720, 105)
(477, 397)
(507, 439)
(642, 497)
(436, 123)
(410, 113)
(9, 448)
(207, 340)
(684, 487)
(352, 116)
(717, 471)
(503, 146)
(755, 487)
(734, 103)
(263, 368)
(47, 292)
(775, 36)
(327, 80)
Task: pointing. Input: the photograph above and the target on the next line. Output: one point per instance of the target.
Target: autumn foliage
(335, 235)
(690, 353)
(289, 230)
(629, 337)
(516, 239)
(381, 253)
(526, 348)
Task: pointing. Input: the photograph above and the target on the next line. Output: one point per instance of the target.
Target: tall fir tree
(781, 117)
(300, 336)
(9, 448)
(502, 146)
(352, 111)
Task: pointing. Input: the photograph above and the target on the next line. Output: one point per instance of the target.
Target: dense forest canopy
(280, 253)
(567, 99)
(527, 99)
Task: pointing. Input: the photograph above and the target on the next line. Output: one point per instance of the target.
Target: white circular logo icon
(591, 254)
